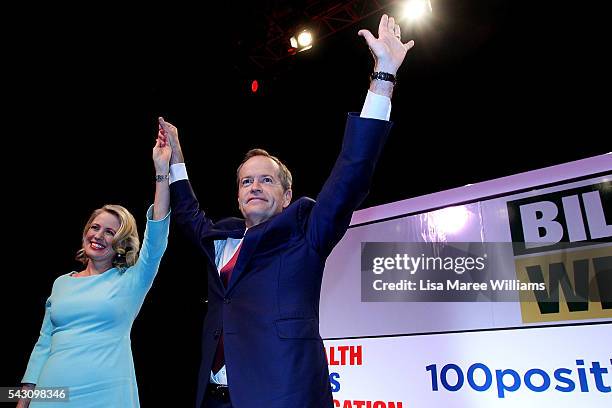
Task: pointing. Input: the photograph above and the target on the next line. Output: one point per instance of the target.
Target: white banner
(550, 348)
(536, 367)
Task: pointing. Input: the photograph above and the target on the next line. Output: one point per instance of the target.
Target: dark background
(492, 88)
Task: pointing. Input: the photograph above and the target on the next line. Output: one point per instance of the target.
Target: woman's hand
(161, 153)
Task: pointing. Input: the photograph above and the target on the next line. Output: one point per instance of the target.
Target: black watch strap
(384, 76)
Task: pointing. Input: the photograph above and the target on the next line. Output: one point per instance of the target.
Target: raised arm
(155, 239)
(350, 179)
(161, 160)
(186, 211)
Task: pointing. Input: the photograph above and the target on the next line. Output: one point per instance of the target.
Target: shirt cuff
(178, 172)
(375, 107)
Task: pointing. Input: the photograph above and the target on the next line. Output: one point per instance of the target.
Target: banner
(548, 232)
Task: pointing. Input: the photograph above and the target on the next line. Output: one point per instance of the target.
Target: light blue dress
(84, 342)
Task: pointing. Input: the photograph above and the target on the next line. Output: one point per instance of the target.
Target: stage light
(416, 9)
(302, 41)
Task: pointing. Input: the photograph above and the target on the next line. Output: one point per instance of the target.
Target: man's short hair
(283, 172)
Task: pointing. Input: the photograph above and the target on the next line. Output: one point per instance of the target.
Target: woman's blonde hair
(125, 242)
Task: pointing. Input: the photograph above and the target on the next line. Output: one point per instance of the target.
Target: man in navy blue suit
(261, 346)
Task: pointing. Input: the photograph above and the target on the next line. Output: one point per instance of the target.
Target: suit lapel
(249, 245)
(227, 228)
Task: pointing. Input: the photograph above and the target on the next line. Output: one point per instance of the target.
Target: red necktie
(226, 274)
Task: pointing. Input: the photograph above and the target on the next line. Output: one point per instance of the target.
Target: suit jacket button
(227, 301)
(217, 333)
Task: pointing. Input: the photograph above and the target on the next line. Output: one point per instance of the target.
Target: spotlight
(416, 9)
(302, 41)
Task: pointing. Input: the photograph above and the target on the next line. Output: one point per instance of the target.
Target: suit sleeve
(186, 212)
(348, 183)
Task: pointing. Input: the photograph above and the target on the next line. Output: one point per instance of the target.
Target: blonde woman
(84, 342)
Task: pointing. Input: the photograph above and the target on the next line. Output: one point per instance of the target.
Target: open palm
(388, 50)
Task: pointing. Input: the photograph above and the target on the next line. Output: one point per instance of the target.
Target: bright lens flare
(416, 9)
(450, 220)
(304, 39)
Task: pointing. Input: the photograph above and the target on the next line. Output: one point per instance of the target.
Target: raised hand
(170, 133)
(161, 153)
(388, 50)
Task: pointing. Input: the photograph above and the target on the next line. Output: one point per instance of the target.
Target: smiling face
(260, 192)
(98, 238)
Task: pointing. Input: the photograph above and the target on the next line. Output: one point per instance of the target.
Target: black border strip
(507, 193)
(541, 326)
